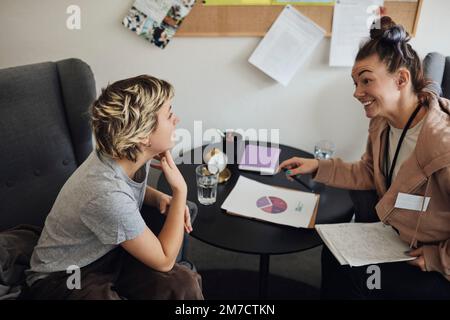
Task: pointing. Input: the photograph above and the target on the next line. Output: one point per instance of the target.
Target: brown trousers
(117, 276)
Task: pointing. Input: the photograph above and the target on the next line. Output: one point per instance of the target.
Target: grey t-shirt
(97, 209)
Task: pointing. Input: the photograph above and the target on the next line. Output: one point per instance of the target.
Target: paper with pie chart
(271, 204)
(257, 200)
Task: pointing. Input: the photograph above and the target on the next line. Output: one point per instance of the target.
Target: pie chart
(271, 204)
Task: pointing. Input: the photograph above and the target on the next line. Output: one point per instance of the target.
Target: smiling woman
(408, 152)
(385, 65)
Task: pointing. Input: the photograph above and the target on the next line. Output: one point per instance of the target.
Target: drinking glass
(324, 149)
(207, 179)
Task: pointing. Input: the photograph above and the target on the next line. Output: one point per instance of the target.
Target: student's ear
(403, 77)
(146, 142)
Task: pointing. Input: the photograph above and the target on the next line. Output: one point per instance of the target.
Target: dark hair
(389, 41)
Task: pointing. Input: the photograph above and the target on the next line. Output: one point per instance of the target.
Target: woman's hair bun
(386, 30)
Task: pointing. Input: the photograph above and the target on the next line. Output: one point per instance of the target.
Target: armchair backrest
(44, 135)
(437, 68)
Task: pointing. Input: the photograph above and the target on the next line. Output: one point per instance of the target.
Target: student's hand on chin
(159, 156)
(173, 175)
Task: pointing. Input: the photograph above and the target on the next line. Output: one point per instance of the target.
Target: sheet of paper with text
(290, 40)
(352, 20)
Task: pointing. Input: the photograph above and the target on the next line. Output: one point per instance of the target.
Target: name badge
(411, 202)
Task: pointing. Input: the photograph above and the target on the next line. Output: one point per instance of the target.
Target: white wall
(213, 80)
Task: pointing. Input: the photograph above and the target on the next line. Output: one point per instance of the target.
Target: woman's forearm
(171, 235)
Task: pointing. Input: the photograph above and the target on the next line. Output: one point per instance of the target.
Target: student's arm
(160, 252)
(152, 196)
(162, 201)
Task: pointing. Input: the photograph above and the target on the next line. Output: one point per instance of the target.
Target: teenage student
(95, 229)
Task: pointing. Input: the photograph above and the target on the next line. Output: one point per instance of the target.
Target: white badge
(411, 202)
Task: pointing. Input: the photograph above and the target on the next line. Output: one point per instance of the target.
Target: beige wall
(213, 80)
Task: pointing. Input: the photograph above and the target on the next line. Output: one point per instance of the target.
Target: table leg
(264, 260)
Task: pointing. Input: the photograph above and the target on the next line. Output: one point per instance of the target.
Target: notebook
(261, 159)
(360, 244)
(256, 200)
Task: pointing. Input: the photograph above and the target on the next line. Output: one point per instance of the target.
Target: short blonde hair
(125, 114)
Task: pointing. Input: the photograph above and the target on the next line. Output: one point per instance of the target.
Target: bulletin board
(256, 20)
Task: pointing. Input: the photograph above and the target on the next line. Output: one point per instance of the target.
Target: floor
(230, 275)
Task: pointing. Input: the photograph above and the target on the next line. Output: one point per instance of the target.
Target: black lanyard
(389, 173)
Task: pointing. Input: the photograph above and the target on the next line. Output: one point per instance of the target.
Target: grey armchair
(44, 135)
(437, 68)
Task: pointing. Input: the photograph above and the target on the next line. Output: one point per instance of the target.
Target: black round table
(217, 228)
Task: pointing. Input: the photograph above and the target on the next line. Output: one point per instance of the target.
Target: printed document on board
(290, 40)
(352, 20)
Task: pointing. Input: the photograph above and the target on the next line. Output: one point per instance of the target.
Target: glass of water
(207, 179)
(324, 149)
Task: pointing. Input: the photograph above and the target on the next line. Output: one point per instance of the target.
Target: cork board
(256, 20)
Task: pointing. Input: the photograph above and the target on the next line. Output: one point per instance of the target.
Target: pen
(299, 181)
